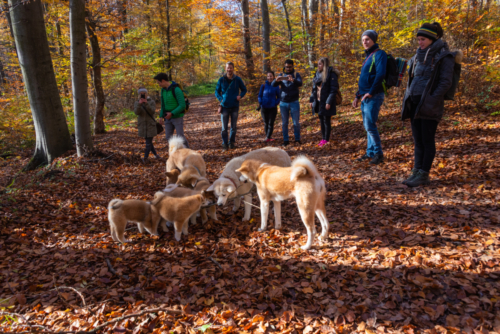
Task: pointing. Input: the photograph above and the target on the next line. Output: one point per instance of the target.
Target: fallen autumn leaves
(398, 259)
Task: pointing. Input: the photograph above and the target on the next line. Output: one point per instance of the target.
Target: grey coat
(431, 105)
(146, 124)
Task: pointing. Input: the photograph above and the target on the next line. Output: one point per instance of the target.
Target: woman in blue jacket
(269, 98)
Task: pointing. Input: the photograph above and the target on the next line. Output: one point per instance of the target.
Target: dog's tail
(175, 143)
(158, 197)
(115, 204)
(302, 167)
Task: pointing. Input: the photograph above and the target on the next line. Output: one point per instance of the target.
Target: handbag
(159, 127)
(338, 98)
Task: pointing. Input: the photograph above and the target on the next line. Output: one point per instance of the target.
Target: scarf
(427, 54)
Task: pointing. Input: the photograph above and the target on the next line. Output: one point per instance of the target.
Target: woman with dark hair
(269, 99)
(323, 97)
(430, 78)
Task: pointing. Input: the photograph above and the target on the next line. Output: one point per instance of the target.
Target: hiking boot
(414, 173)
(298, 142)
(377, 159)
(231, 145)
(225, 147)
(144, 160)
(286, 143)
(420, 179)
(363, 157)
(157, 156)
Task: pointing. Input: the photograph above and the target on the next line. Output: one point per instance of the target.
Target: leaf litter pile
(397, 259)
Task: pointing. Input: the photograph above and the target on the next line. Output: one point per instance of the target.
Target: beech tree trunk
(52, 134)
(246, 38)
(342, 12)
(9, 22)
(169, 60)
(96, 76)
(322, 32)
(290, 35)
(311, 55)
(266, 29)
(83, 134)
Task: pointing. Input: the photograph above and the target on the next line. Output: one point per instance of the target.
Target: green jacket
(170, 103)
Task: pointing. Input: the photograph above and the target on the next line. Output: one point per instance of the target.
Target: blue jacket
(228, 90)
(370, 81)
(269, 96)
(289, 89)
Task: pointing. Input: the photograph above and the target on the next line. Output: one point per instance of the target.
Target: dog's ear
(211, 188)
(193, 181)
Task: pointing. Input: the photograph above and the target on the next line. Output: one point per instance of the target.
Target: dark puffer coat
(328, 93)
(431, 104)
(146, 124)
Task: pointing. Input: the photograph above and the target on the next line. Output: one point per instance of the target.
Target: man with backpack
(371, 94)
(173, 107)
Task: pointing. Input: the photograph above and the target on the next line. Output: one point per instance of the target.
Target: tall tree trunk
(3, 79)
(311, 31)
(83, 134)
(123, 15)
(52, 135)
(305, 24)
(96, 76)
(342, 14)
(60, 51)
(169, 62)
(322, 10)
(246, 38)
(266, 29)
(9, 22)
(290, 35)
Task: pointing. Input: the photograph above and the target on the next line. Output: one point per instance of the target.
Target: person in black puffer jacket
(323, 101)
(430, 77)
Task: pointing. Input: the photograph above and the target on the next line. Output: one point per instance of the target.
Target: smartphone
(143, 96)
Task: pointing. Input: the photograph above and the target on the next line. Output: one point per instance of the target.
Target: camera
(143, 96)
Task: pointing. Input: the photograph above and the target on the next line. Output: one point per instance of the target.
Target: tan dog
(186, 160)
(178, 210)
(141, 212)
(276, 184)
(173, 176)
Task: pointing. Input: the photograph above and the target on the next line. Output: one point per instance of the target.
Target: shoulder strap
(148, 113)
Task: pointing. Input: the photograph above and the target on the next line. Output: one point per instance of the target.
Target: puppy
(173, 176)
(184, 159)
(228, 185)
(276, 184)
(141, 212)
(178, 210)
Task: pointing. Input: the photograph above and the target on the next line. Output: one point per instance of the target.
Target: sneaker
(270, 139)
(157, 156)
(363, 157)
(298, 142)
(231, 145)
(225, 147)
(144, 160)
(286, 143)
(414, 173)
(323, 143)
(377, 159)
(266, 140)
(422, 178)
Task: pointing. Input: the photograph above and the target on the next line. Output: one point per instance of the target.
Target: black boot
(412, 176)
(377, 159)
(420, 179)
(363, 157)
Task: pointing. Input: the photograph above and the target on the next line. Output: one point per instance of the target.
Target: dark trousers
(326, 126)
(269, 117)
(226, 113)
(149, 147)
(424, 137)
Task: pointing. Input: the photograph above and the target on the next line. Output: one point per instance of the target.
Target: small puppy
(276, 184)
(178, 210)
(141, 212)
(173, 176)
(186, 160)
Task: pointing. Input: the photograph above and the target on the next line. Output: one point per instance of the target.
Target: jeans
(226, 113)
(424, 137)
(149, 147)
(293, 109)
(176, 124)
(369, 109)
(269, 117)
(326, 126)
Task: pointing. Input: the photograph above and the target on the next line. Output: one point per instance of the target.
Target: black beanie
(430, 30)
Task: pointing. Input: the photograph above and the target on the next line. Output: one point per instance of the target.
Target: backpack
(186, 100)
(391, 73)
(457, 69)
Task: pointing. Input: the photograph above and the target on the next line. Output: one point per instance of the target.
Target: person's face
(424, 42)
(367, 42)
(230, 70)
(288, 68)
(162, 83)
(270, 77)
(320, 66)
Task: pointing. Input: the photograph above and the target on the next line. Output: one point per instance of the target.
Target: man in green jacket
(173, 107)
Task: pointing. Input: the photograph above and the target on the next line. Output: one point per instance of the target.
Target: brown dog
(186, 160)
(141, 212)
(173, 176)
(178, 210)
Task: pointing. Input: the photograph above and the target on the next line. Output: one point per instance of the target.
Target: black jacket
(328, 93)
(289, 89)
(431, 104)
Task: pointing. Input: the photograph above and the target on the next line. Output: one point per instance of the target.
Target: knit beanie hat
(431, 30)
(372, 34)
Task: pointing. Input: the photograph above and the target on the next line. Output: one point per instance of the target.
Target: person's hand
(366, 96)
(290, 78)
(355, 103)
(238, 98)
(169, 115)
(279, 78)
(327, 107)
(141, 101)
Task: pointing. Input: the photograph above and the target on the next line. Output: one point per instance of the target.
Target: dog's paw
(245, 219)
(261, 229)
(305, 247)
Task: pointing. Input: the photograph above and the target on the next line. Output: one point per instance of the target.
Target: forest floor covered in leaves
(397, 259)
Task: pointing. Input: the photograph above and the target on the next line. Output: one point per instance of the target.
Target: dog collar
(232, 181)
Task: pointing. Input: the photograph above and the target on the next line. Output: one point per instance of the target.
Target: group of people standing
(430, 72)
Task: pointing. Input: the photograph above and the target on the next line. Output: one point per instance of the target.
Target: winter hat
(372, 34)
(431, 30)
(142, 90)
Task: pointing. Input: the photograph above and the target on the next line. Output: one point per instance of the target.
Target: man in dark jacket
(230, 89)
(289, 82)
(371, 94)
